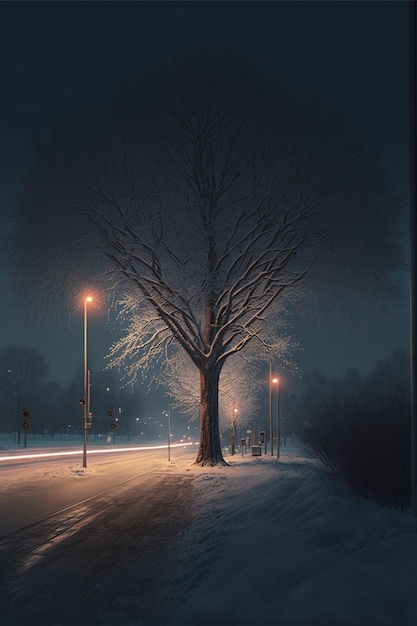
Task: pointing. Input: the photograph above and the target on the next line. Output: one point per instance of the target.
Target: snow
(279, 542)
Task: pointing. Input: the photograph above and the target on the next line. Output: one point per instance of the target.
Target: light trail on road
(44, 455)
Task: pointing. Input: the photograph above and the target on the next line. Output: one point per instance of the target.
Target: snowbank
(277, 542)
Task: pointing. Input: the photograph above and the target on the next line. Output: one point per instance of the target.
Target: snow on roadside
(276, 542)
(10, 479)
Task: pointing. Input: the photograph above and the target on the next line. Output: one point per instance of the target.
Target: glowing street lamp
(271, 430)
(168, 414)
(86, 407)
(276, 382)
(234, 419)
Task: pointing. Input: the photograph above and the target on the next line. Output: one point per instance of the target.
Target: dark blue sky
(58, 57)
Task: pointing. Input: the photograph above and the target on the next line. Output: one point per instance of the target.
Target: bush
(361, 430)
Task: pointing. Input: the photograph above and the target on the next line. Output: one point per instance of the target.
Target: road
(104, 558)
(31, 488)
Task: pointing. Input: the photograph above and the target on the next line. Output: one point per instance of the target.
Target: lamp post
(169, 434)
(276, 382)
(86, 390)
(233, 441)
(271, 430)
(168, 415)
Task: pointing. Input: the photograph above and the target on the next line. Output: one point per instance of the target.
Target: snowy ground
(275, 542)
(278, 543)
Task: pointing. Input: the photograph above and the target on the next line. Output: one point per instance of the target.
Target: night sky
(59, 57)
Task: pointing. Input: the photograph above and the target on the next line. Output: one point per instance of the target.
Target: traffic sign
(25, 413)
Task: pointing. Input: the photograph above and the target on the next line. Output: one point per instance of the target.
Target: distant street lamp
(169, 434)
(168, 414)
(276, 382)
(86, 407)
(271, 430)
(234, 419)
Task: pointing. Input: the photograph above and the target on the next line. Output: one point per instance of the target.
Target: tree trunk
(210, 452)
(18, 433)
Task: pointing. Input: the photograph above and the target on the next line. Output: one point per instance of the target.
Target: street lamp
(276, 382)
(86, 407)
(234, 419)
(168, 414)
(271, 430)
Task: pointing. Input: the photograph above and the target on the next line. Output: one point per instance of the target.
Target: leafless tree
(240, 384)
(239, 387)
(211, 204)
(22, 372)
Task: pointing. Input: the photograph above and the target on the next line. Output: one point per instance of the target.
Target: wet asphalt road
(107, 560)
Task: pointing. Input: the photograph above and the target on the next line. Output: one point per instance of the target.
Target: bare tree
(50, 409)
(239, 386)
(22, 371)
(211, 204)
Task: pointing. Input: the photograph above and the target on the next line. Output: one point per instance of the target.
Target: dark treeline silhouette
(359, 427)
(53, 407)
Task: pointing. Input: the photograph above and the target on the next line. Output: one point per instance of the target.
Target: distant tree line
(359, 427)
(53, 407)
